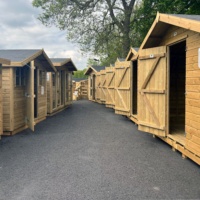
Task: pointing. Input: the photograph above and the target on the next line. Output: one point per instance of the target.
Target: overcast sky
(20, 29)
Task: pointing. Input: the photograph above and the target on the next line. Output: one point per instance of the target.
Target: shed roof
(78, 79)
(162, 23)
(120, 59)
(94, 68)
(64, 62)
(4, 61)
(132, 52)
(21, 57)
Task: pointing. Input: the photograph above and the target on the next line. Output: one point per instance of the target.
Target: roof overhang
(131, 54)
(66, 64)
(40, 56)
(162, 23)
(4, 61)
(89, 70)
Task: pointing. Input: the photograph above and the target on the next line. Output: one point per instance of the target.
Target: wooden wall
(7, 87)
(1, 102)
(192, 101)
(42, 98)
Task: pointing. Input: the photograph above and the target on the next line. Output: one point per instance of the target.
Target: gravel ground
(87, 152)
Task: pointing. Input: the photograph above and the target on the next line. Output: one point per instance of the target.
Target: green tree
(94, 24)
(147, 9)
(80, 74)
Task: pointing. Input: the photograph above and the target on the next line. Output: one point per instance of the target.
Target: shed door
(110, 77)
(103, 86)
(98, 85)
(122, 88)
(30, 97)
(152, 93)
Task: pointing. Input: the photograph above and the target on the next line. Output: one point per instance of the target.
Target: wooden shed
(126, 86)
(24, 89)
(94, 81)
(7, 62)
(59, 85)
(169, 82)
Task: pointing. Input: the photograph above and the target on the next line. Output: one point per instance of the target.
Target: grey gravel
(87, 152)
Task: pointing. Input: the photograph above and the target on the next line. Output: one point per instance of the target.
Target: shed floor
(88, 152)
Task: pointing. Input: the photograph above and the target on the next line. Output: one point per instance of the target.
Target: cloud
(20, 29)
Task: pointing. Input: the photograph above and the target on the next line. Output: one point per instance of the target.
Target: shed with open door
(125, 83)
(169, 82)
(133, 58)
(7, 62)
(24, 89)
(59, 85)
(94, 82)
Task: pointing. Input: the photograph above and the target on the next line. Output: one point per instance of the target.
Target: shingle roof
(121, 59)
(78, 79)
(20, 57)
(98, 68)
(16, 55)
(136, 49)
(65, 62)
(192, 17)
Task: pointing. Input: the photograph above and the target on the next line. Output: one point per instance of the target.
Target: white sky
(20, 29)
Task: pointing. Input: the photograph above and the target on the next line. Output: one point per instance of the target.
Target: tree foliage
(146, 12)
(94, 24)
(108, 28)
(80, 74)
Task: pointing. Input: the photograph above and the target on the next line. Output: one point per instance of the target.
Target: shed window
(41, 76)
(19, 76)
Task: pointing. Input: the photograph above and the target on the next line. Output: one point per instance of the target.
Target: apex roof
(64, 62)
(162, 23)
(21, 57)
(94, 68)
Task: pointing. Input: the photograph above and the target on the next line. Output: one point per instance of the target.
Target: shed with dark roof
(24, 88)
(169, 82)
(59, 85)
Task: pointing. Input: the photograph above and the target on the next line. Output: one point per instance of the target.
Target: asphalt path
(86, 152)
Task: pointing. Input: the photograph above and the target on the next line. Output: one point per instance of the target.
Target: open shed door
(103, 86)
(30, 97)
(152, 91)
(122, 88)
(98, 86)
(110, 95)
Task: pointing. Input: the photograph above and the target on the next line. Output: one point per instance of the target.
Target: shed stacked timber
(7, 62)
(169, 82)
(80, 90)
(59, 85)
(24, 89)
(94, 82)
(110, 87)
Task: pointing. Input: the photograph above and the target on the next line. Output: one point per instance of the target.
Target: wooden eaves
(167, 20)
(29, 59)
